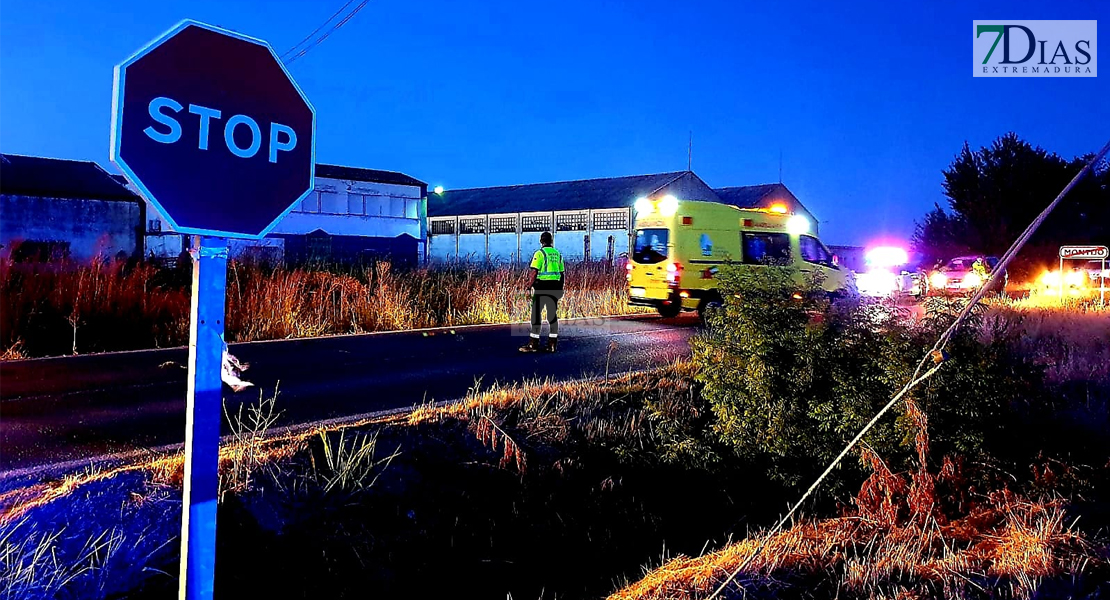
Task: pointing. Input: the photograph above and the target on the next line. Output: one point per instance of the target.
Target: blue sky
(866, 104)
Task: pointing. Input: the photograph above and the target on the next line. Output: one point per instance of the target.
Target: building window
(442, 227)
(611, 221)
(472, 225)
(412, 207)
(332, 203)
(375, 205)
(572, 222)
(355, 204)
(311, 203)
(502, 224)
(396, 206)
(535, 223)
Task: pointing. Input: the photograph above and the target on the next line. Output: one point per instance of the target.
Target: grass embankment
(635, 484)
(541, 490)
(55, 309)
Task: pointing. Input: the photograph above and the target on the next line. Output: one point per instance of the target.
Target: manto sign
(1035, 48)
(1088, 252)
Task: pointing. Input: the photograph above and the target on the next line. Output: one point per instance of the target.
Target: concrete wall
(443, 247)
(502, 247)
(92, 228)
(472, 247)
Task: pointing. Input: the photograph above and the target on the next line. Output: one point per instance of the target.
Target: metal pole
(202, 419)
(1061, 273)
(1102, 285)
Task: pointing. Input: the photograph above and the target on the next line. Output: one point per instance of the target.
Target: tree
(940, 236)
(996, 191)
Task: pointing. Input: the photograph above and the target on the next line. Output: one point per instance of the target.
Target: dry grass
(66, 308)
(907, 535)
(1072, 342)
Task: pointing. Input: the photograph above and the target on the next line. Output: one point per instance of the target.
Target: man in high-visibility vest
(547, 288)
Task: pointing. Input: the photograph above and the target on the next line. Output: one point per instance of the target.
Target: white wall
(503, 246)
(358, 208)
(472, 247)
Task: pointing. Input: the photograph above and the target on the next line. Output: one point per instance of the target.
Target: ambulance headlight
(668, 206)
(973, 280)
(938, 280)
(797, 225)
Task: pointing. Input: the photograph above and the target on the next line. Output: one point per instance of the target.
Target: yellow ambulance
(680, 245)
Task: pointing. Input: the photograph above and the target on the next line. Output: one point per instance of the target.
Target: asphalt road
(79, 408)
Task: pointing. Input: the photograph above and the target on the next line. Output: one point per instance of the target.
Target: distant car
(960, 276)
(1098, 272)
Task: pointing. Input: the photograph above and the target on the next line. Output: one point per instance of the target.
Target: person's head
(546, 239)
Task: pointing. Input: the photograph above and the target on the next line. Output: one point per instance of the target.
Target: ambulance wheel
(708, 306)
(669, 311)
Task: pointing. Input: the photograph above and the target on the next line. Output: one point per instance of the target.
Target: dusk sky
(866, 105)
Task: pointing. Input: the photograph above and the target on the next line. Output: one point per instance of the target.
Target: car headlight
(973, 280)
(938, 280)
(1051, 279)
(1074, 278)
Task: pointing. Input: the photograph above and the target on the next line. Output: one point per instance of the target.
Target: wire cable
(936, 354)
(315, 31)
(330, 31)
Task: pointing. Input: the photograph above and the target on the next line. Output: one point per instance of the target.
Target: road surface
(77, 408)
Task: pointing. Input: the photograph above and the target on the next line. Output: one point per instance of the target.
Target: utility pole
(690, 153)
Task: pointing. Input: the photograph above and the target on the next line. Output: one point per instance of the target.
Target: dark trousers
(545, 300)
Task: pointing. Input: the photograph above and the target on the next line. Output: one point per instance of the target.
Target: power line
(290, 59)
(315, 31)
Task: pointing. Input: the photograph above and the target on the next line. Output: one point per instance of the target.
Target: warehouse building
(591, 219)
(355, 214)
(53, 209)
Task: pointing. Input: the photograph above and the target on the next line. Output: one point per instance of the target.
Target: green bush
(791, 377)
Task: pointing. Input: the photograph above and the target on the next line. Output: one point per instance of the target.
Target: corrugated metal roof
(370, 175)
(59, 178)
(609, 192)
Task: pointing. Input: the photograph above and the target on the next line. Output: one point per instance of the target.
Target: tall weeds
(55, 309)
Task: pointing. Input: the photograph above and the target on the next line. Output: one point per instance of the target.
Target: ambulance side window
(766, 248)
(813, 251)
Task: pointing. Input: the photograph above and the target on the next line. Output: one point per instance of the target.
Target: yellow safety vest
(549, 263)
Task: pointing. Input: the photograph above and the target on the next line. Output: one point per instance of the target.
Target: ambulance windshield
(651, 246)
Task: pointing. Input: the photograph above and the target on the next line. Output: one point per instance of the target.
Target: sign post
(202, 418)
(1100, 253)
(220, 141)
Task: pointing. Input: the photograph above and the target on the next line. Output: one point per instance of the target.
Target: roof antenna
(690, 153)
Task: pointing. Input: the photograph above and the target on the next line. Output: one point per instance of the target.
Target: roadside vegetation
(59, 308)
(991, 482)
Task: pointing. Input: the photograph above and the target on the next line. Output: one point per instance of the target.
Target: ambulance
(679, 246)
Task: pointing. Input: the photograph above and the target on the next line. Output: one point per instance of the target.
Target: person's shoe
(533, 345)
(552, 344)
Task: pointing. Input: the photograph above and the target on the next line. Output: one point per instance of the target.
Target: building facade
(591, 219)
(66, 209)
(353, 214)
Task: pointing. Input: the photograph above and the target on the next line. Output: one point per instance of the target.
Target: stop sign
(214, 132)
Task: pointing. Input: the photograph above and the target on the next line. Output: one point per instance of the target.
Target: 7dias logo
(1035, 49)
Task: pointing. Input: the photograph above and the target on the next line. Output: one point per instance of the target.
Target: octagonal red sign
(213, 131)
